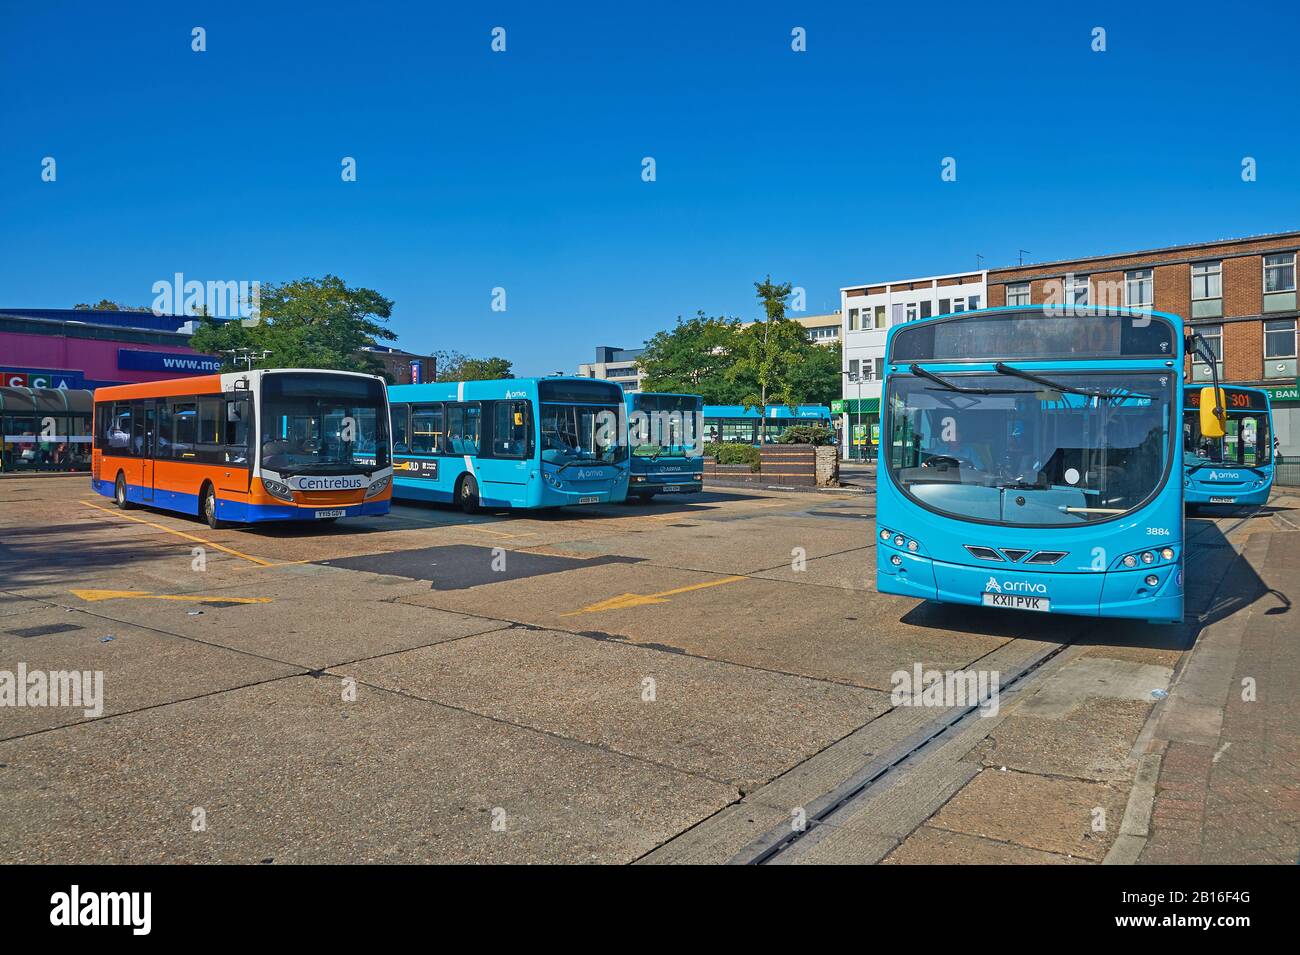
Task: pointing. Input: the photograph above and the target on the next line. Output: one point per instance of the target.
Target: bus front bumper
(239, 512)
(1113, 593)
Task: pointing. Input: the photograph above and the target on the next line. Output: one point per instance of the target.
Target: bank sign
(136, 359)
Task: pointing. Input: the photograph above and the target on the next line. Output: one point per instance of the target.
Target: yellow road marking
(93, 595)
(623, 601)
(162, 527)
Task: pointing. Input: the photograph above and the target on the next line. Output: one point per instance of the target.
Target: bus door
(235, 419)
(144, 445)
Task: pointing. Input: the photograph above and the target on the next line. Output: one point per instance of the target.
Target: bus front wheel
(119, 493)
(209, 498)
(467, 495)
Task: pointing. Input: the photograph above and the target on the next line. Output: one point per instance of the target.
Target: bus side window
(510, 429)
(119, 428)
(397, 415)
(426, 429)
(185, 416)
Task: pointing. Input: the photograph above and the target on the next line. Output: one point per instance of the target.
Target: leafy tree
(693, 357)
(815, 377)
(768, 351)
(457, 366)
(308, 323)
(105, 305)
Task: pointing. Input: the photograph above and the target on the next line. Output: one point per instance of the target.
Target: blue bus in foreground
(1236, 468)
(736, 424)
(517, 443)
(666, 437)
(1028, 459)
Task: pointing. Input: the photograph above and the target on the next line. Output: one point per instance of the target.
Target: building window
(1139, 288)
(878, 368)
(1279, 282)
(1279, 338)
(1213, 335)
(972, 302)
(925, 308)
(1207, 280)
(853, 369)
(1279, 273)
(880, 316)
(1076, 289)
(853, 320)
(911, 311)
(1018, 294)
(897, 317)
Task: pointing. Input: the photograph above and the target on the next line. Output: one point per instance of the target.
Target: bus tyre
(645, 498)
(467, 494)
(209, 508)
(119, 493)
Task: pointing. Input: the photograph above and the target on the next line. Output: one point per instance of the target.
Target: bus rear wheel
(119, 493)
(467, 494)
(209, 508)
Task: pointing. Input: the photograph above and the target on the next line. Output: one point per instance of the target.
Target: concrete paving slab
(1053, 815)
(929, 846)
(288, 773)
(1094, 740)
(316, 617)
(738, 725)
(140, 667)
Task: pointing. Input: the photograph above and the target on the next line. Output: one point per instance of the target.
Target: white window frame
(1140, 277)
(1212, 270)
(1278, 331)
(1278, 265)
(1015, 290)
(1071, 285)
(1210, 338)
(911, 311)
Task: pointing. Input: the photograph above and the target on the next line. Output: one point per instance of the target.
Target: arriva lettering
(1014, 587)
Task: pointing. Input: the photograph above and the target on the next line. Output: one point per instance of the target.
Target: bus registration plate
(321, 514)
(589, 500)
(1223, 500)
(1017, 602)
(672, 488)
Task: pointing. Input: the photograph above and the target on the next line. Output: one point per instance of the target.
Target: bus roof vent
(1014, 553)
(984, 553)
(1046, 557)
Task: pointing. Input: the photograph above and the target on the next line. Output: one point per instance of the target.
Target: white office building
(615, 364)
(868, 311)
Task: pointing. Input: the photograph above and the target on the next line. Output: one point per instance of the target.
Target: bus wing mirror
(1213, 416)
(234, 411)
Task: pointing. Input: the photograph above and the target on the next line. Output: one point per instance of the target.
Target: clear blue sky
(522, 169)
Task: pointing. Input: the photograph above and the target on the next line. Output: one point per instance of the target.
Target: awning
(856, 406)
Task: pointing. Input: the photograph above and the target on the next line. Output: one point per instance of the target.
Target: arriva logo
(589, 475)
(1225, 476)
(1015, 587)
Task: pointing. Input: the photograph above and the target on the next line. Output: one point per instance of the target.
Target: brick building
(1238, 293)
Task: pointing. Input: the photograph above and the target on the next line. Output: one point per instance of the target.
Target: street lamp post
(858, 380)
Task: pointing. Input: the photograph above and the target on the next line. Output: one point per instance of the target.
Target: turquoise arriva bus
(1236, 468)
(1029, 459)
(666, 437)
(516, 443)
(737, 424)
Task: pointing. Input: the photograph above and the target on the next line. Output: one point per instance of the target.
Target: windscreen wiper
(1003, 369)
(963, 389)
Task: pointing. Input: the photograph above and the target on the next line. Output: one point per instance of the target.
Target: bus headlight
(1152, 580)
(377, 488)
(895, 559)
(1167, 553)
(1148, 557)
(885, 535)
(912, 546)
(276, 489)
(1130, 561)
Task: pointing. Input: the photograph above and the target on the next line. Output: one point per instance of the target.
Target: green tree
(815, 377)
(457, 366)
(106, 305)
(694, 357)
(769, 352)
(308, 323)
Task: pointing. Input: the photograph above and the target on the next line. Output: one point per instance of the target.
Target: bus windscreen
(1035, 335)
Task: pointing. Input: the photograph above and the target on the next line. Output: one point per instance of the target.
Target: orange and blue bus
(265, 445)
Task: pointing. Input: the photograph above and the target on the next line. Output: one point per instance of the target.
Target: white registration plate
(339, 513)
(588, 500)
(670, 488)
(1223, 500)
(1017, 602)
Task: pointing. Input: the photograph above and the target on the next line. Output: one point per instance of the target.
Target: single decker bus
(1237, 467)
(512, 443)
(666, 438)
(1028, 461)
(737, 424)
(293, 444)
